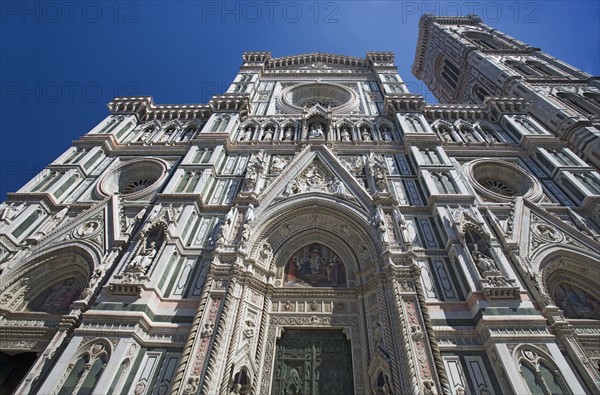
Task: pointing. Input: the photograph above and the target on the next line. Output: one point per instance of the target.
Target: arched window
(86, 370)
(480, 93)
(220, 123)
(450, 73)
(539, 372)
(592, 97)
(579, 103)
(485, 41)
(531, 128)
(489, 134)
(224, 122)
(562, 158)
(590, 182)
(415, 124)
(444, 183)
(543, 68)
(523, 69)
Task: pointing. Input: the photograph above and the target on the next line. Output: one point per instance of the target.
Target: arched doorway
(318, 251)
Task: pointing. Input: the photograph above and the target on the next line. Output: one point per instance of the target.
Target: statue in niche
(484, 263)
(144, 257)
(247, 134)
(315, 265)
(377, 165)
(268, 134)
(245, 234)
(287, 135)
(379, 221)
(250, 214)
(366, 135)
(188, 134)
(385, 133)
(256, 166)
(345, 135)
(146, 135)
(251, 179)
(316, 132)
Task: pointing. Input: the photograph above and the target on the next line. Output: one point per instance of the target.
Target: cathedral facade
(318, 229)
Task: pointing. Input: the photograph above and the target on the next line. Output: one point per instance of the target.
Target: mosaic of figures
(575, 302)
(315, 265)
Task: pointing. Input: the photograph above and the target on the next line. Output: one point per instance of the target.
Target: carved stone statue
(379, 221)
(247, 134)
(250, 214)
(345, 135)
(338, 188)
(144, 257)
(250, 180)
(387, 136)
(316, 132)
(484, 263)
(268, 134)
(292, 188)
(287, 135)
(366, 136)
(378, 170)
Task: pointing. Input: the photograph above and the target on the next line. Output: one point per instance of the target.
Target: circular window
(335, 97)
(133, 179)
(501, 181)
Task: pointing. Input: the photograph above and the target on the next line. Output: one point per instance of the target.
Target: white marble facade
(450, 248)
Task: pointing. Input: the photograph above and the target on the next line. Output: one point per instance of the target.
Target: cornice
(320, 57)
(231, 102)
(144, 109)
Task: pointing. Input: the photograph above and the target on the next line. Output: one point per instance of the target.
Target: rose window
(137, 185)
(133, 179)
(497, 186)
(500, 181)
(337, 98)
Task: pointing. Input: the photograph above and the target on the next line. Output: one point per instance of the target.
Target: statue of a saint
(345, 135)
(268, 135)
(143, 259)
(366, 136)
(316, 133)
(483, 262)
(247, 134)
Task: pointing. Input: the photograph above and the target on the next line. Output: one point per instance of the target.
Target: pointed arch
(51, 281)
(86, 367)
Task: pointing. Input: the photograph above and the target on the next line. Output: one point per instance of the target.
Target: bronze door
(309, 362)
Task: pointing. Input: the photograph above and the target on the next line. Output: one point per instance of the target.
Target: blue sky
(61, 62)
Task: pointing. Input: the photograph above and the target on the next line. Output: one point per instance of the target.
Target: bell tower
(462, 60)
